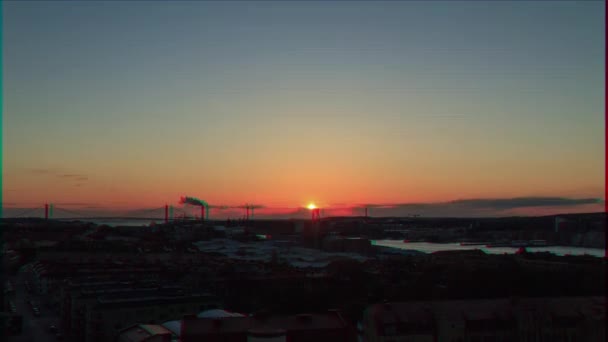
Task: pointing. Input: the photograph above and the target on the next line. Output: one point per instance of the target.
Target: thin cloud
(525, 202)
(59, 174)
(473, 207)
(440, 116)
(498, 204)
(479, 207)
(74, 177)
(41, 171)
(75, 204)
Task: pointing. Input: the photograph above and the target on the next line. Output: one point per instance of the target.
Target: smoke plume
(193, 201)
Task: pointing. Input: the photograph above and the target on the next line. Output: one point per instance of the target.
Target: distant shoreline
(430, 247)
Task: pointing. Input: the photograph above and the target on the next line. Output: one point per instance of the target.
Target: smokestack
(166, 213)
(316, 214)
(202, 213)
(46, 211)
(192, 201)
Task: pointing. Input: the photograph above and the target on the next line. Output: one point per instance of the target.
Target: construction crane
(249, 208)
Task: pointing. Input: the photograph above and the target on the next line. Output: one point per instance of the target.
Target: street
(35, 329)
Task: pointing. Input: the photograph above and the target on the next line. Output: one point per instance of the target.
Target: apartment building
(524, 319)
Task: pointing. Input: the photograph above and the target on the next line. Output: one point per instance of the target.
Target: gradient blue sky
(137, 103)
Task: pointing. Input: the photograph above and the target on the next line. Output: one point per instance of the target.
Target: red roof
(315, 327)
(144, 332)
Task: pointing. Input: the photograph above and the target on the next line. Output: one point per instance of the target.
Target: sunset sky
(132, 105)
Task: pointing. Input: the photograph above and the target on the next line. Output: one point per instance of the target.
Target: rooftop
(193, 326)
(145, 297)
(143, 332)
(262, 251)
(484, 314)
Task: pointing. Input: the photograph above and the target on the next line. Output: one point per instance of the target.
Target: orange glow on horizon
(311, 206)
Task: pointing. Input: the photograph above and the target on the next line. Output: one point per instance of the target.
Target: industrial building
(526, 320)
(319, 327)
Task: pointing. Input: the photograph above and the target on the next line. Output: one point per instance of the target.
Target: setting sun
(311, 206)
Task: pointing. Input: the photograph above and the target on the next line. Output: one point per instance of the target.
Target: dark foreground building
(319, 327)
(523, 320)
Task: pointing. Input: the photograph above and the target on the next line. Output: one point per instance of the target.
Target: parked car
(53, 329)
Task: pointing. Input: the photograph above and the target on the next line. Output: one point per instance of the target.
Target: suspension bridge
(188, 211)
(49, 211)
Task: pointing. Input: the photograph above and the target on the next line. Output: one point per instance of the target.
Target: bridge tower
(316, 215)
(316, 228)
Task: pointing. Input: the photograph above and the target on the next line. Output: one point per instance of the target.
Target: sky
(134, 104)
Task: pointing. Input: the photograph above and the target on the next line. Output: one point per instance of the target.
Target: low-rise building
(347, 245)
(98, 310)
(111, 313)
(529, 320)
(146, 333)
(77, 295)
(320, 327)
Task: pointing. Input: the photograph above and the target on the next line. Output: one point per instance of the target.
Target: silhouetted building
(320, 327)
(145, 333)
(313, 234)
(524, 319)
(347, 245)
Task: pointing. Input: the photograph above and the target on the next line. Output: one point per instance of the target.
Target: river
(124, 223)
(425, 247)
(428, 247)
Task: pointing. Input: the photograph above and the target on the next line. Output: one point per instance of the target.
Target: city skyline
(132, 105)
